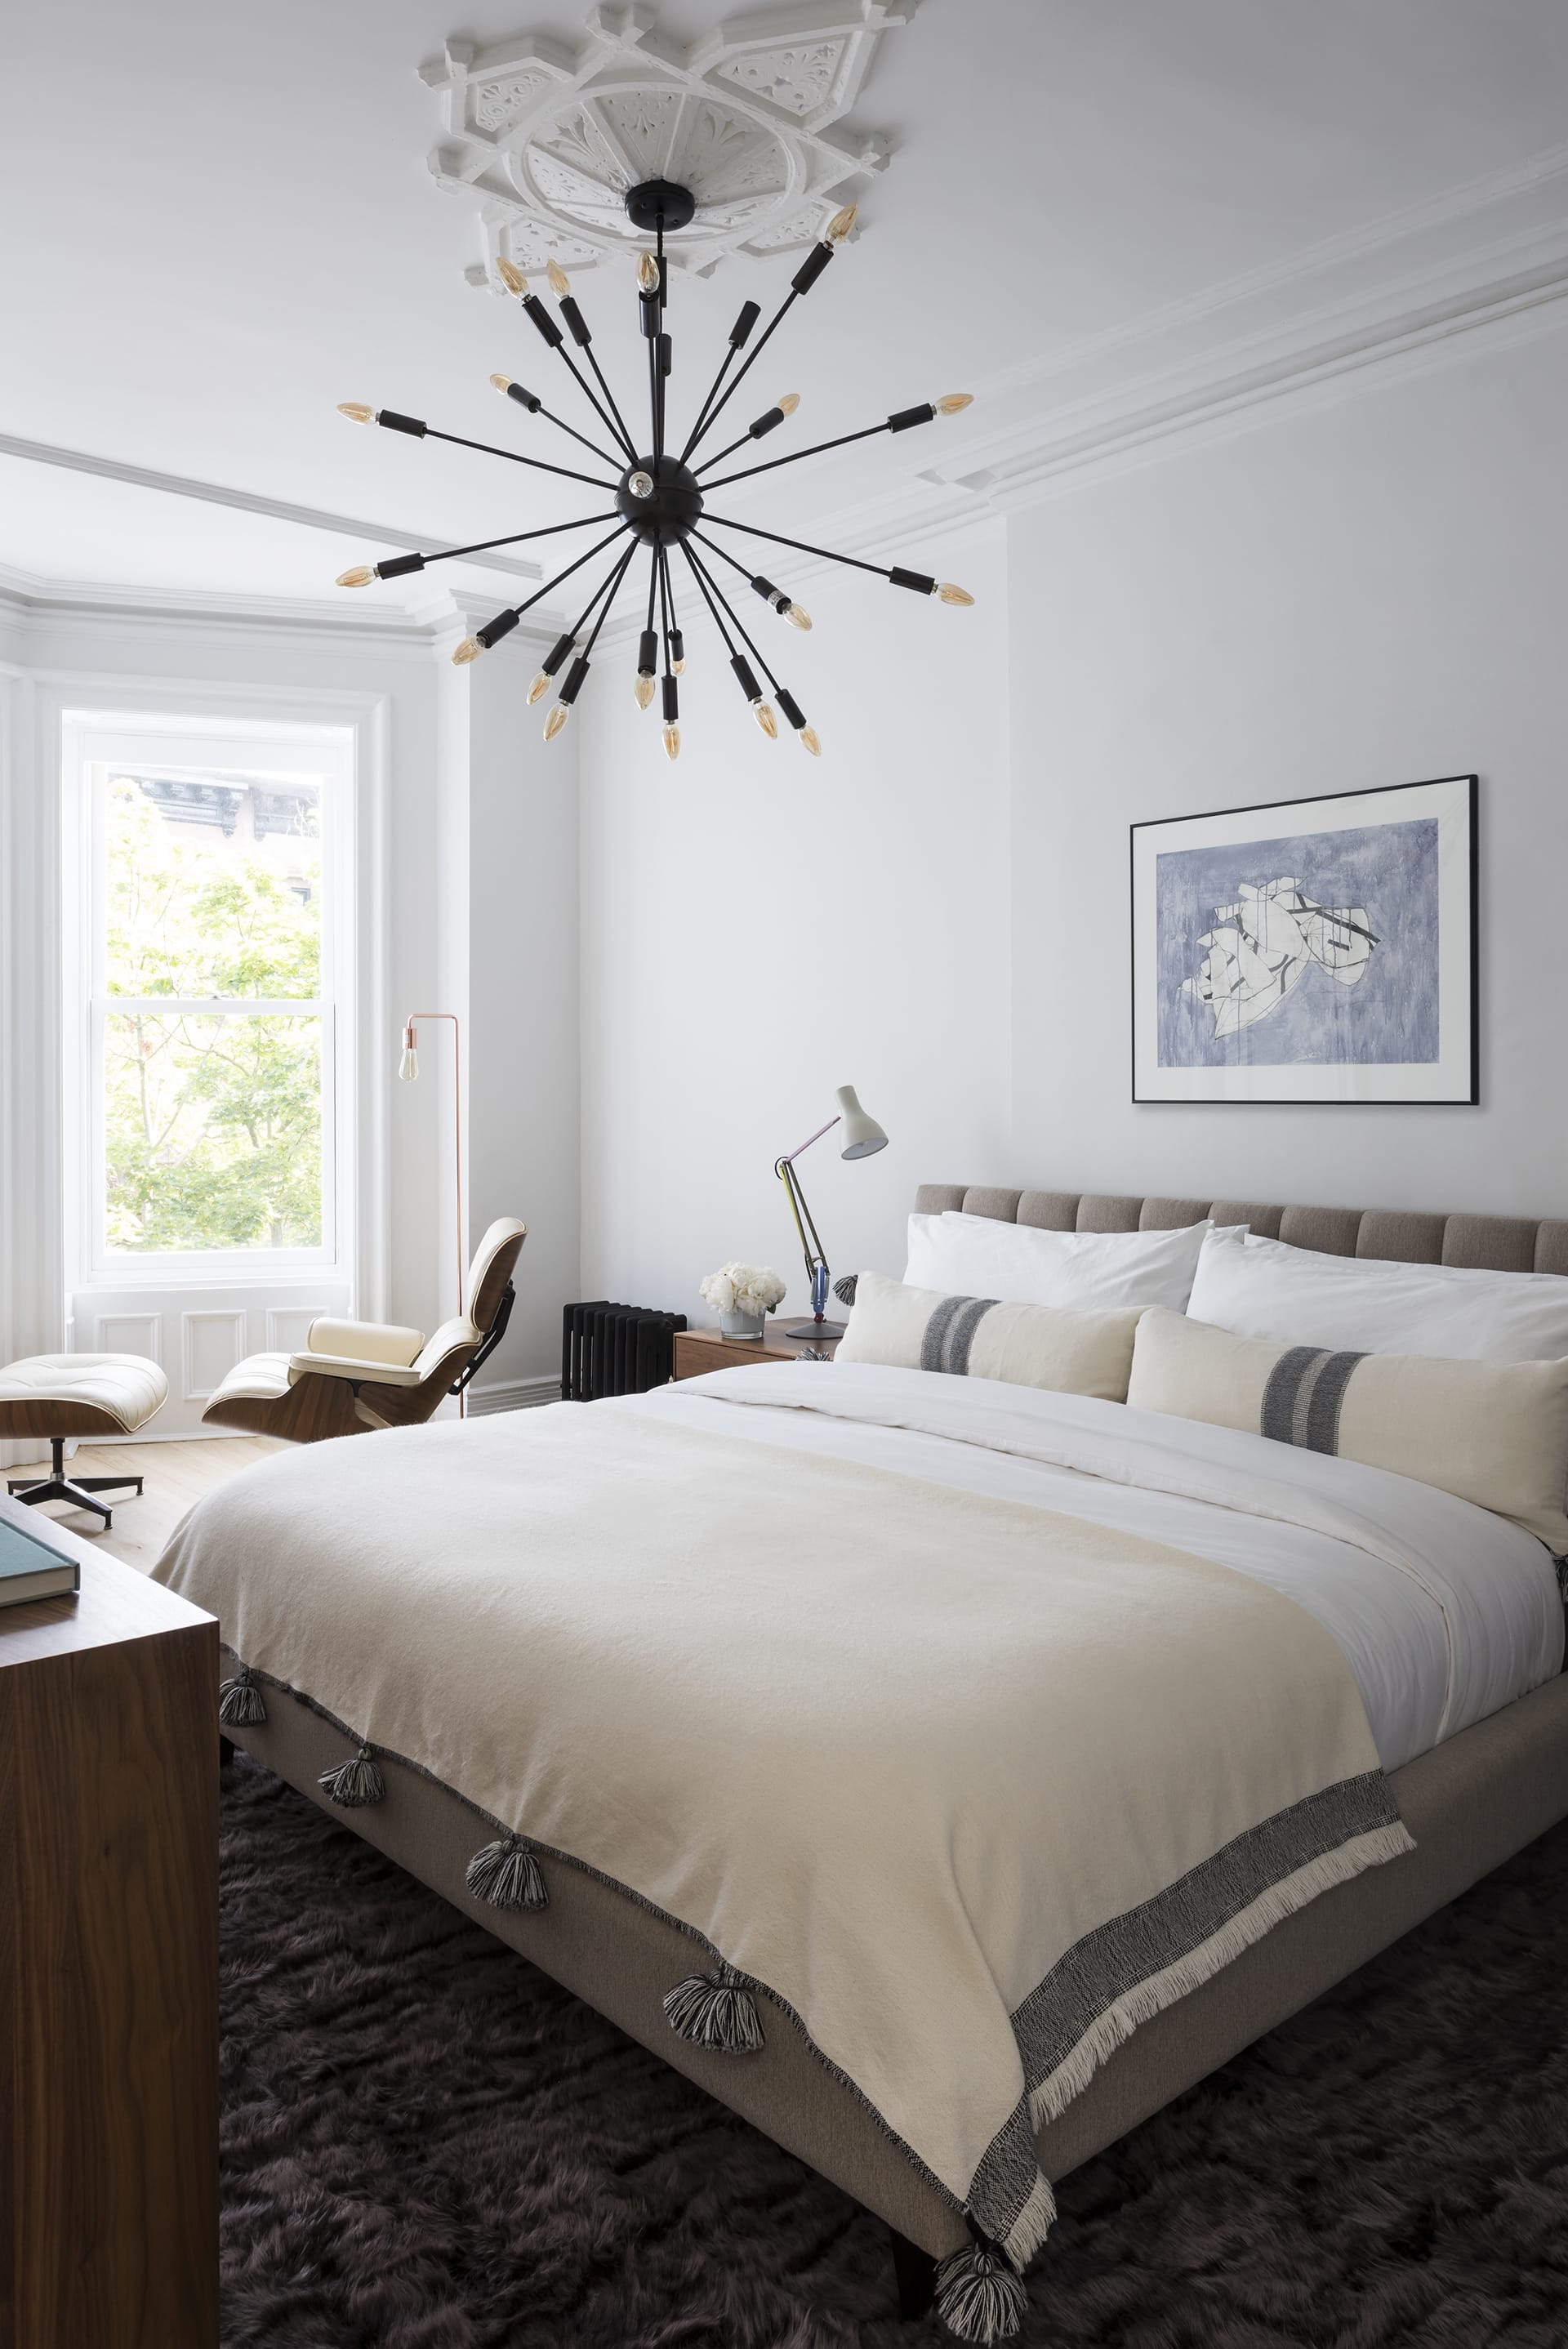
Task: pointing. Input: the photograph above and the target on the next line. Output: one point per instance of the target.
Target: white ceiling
(221, 223)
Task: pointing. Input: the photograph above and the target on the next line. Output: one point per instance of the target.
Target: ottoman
(59, 1396)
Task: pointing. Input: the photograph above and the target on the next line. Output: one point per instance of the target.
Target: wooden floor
(175, 1475)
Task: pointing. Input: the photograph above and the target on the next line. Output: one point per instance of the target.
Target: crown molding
(71, 604)
(214, 494)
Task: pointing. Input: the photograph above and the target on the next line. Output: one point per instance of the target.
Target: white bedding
(1442, 1612)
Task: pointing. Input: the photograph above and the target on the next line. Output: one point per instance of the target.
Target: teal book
(30, 1569)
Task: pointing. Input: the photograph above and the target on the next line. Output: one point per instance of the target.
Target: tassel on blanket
(240, 1704)
(506, 1873)
(978, 2297)
(715, 2010)
(355, 1784)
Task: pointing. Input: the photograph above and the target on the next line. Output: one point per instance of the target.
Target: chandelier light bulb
(949, 594)
(556, 720)
(841, 224)
(500, 382)
(798, 618)
(511, 278)
(953, 403)
(677, 668)
(766, 720)
(810, 738)
(672, 741)
(539, 687)
(643, 688)
(358, 412)
(647, 273)
(468, 650)
(560, 283)
(640, 485)
(790, 403)
(360, 576)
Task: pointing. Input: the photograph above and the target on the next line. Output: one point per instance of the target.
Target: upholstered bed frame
(1470, 1805)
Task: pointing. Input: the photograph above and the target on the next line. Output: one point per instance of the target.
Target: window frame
(95, 747)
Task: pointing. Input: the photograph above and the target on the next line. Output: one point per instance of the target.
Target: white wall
(761, 926)
(1370, 593)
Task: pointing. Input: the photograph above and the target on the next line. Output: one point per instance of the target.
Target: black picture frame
(1455, 800)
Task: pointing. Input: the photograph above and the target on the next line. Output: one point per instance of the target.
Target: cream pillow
(1089, 1272)
(1024, 1345)
(1492, 1433)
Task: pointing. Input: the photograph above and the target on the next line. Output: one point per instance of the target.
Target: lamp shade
(862, 1134)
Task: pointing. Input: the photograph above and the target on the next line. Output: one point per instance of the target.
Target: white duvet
(1443, 1611)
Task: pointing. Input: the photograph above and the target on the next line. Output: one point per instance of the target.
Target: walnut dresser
(109, 1962)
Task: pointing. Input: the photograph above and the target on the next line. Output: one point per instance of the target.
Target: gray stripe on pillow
(950, 1333)
(1302, 1401)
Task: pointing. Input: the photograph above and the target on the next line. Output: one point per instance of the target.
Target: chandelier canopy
(659, 500)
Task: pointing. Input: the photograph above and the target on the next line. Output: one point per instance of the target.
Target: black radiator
(612, 1349)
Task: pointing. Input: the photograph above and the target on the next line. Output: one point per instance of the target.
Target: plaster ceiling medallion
(550, 140)
(653, 498)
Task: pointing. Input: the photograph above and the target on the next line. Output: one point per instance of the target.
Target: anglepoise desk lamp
(862, 1136)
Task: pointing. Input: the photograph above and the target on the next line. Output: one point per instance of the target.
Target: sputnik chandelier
(658, 499)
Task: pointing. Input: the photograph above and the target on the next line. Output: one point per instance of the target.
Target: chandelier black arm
(607, 456)
(868, 433)
(802, 546)
(488, 449)
(742, 372)
(610, 396)
(519, 609)
(701, 425)
(614, 584)
(707, 599)
(653, 588)
(761, 657)
(397, 565)
(672, 624)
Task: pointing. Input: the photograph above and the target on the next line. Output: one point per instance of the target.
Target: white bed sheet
(1443, 1611)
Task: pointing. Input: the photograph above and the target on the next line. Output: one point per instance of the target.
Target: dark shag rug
(427, 2144)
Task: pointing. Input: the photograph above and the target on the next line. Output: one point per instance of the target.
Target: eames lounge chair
(357, 1374)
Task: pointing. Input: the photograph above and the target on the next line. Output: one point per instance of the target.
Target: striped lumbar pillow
(1491, 1432)
(978, 1338)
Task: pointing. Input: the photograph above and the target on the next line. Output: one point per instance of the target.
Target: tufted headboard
(1492, 1243)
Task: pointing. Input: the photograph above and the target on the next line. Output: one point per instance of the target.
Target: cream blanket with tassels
(970, 1787)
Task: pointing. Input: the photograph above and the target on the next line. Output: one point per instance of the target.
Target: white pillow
(1091, 1272)
(977, 1338)
(1490, 1433)
(1264, 1288)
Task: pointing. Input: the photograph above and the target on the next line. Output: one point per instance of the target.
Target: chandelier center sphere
(668, 512)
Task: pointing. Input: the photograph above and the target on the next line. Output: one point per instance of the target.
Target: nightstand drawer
(697, 1350)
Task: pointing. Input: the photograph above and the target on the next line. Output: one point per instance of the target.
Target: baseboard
(513, 1395)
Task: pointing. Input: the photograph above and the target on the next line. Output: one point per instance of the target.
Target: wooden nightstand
(697, 1350)
(109, 1961)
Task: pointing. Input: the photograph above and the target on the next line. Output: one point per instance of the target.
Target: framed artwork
(1316, 950)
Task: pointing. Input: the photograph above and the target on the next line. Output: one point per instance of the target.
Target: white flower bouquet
(742, 1294)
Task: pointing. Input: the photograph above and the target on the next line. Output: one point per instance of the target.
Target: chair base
(57, 1486)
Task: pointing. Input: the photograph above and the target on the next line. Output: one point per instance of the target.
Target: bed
(1470, 1735)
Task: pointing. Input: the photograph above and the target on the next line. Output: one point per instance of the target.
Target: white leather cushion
(1492, 1433)
(128, 1387)
(259, 1377)
(980, 1338)
(363, 1342)
(1263, 1288)
(1086, 1271)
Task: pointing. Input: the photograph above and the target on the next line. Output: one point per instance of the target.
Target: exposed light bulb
(511, 278)
(766, 720)
(640, 485)
(790, 403)
(539, 687)
(672, 741)
(559, 281)
(841, 224)
(677, 668)
(948, 593)
(951, 402)
(360, 576)
(468, 650)
(502, 382)
(648, 272)
(409, 1066)
(556, 720)
(356, 410)
(810, 738)
(798, 618)
(644, 689)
